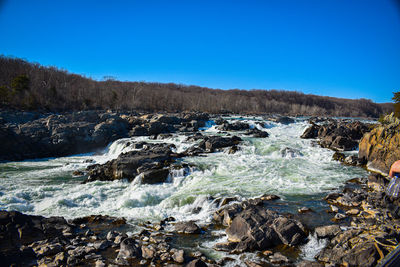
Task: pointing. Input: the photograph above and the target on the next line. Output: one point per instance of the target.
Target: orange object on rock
(395, 169)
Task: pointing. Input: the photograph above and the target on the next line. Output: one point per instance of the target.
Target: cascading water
(282, 164)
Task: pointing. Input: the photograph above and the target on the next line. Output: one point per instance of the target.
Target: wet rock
(216, 142)
(257, 133)
(129, 249)
(236, 126)
(291, 152)
(338, 156)
(311, 132)
(78, 173)
(219, 121)
(291, 232)
(149, 162)
(226, 246)
(187, 228)
(233, 150)
(338, 135)
(154, 176)
(327, 231)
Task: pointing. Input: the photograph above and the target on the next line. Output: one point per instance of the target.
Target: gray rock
(327, 231)
(129, 248)
(187, 228)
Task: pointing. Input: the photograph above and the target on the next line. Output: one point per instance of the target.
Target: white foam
(47, 187)
(312, 247)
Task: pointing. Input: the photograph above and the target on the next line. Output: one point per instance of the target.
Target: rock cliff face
(381, 146)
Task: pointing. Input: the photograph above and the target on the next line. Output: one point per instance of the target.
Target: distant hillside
(25, 85)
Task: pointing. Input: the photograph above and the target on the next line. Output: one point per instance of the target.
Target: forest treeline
(30, 86)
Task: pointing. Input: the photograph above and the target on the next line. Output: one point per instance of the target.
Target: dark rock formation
(257, 133)
(151, 163)
(213, 143)
(33, 135)
(337, 135)
(61, 135)
(352, 160)
(253, 227)
(236, 126)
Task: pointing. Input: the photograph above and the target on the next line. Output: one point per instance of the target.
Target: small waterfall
(117, 147)
(313, 247)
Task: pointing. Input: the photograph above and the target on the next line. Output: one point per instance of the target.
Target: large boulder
(257, 133)
(236, 126)
(381, 146)
(214, 143)
(257, 228)
(150, 163)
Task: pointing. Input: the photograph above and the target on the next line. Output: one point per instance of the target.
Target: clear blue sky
(341, 48)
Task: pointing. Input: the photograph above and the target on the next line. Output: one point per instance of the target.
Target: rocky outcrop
(236, 126)
(381, 146)
(27, 135)
(374, 225)
(253, 227)
(257, 133)
(95, 240)
(148, 166)
(337, 135)
(155, 124)
(60, 135)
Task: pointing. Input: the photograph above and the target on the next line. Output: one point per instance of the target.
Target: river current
(297, 170)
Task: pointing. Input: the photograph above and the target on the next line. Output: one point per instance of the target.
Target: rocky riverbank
(365, 228)
(27, 135)
(364, 225)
